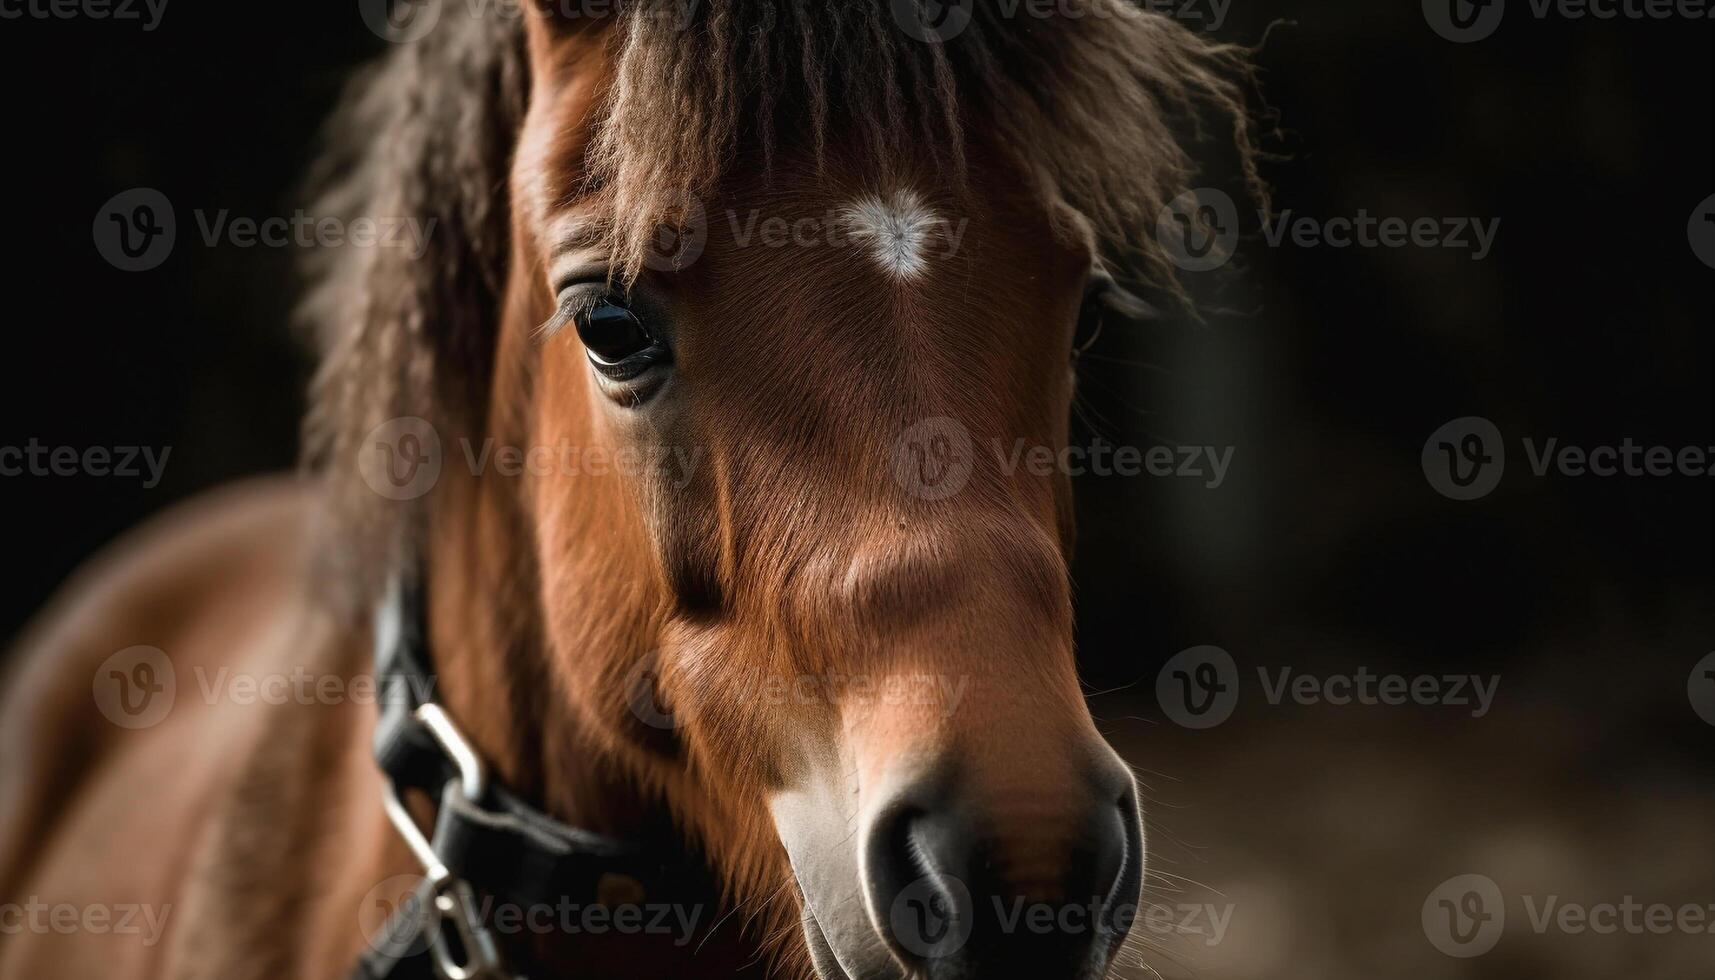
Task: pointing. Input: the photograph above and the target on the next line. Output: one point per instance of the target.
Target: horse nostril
(912, 881)
(953, 896)
(1124, 895)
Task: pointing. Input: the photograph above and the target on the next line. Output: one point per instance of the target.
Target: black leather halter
(485, 841)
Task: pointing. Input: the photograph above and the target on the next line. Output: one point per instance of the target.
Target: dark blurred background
(1325, 370)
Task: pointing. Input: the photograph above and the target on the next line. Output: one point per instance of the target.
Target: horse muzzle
(947, 873)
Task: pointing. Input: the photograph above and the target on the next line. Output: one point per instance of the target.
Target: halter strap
(485, 840)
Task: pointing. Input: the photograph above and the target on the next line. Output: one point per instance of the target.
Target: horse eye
(1090, 316)
(1107, 304)
(619, 345)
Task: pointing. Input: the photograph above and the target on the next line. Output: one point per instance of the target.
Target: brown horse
(682, 428)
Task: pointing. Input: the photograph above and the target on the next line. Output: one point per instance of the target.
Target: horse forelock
(1087, 103)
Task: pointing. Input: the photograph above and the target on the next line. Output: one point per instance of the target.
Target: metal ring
(454, 904)
(473, 782)
(451, 899)
(472, 778)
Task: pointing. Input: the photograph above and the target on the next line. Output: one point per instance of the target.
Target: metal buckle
(453, 902)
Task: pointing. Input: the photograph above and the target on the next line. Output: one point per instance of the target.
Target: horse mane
(1091, 106)
(426, 134)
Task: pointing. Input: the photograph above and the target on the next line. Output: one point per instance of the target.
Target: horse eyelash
(566, 313)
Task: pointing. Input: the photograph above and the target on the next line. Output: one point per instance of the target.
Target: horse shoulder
(213, 592)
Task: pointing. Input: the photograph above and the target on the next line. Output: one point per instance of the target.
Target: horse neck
(497, 679)
(496, 675)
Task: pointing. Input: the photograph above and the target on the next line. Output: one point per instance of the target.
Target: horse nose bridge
(991, 707)
(909, 574)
